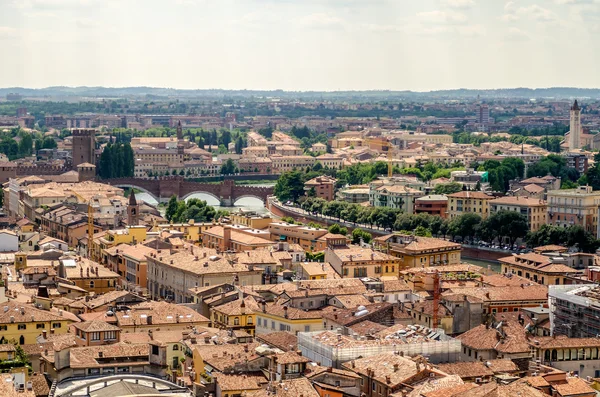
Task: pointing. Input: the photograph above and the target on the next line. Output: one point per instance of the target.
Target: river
(493, 265)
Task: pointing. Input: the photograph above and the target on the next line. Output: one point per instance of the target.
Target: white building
(9, 241)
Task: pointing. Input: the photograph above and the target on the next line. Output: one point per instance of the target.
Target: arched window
(22, 340)
(249, 320)
(236, 321)
(554, 355)
(175, 347)
(547, 355)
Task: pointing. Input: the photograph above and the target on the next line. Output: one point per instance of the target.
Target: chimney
(149, 319)
(264, 306)
(45, 334)
(226, 237)
(396, 367)
(87, 271)
(285, 312)
(388, 379)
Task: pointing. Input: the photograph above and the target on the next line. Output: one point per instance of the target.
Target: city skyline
(321, 45)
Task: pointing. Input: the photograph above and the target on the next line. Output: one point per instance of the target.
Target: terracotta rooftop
(160, 313)
(282, 340)
(95, 326)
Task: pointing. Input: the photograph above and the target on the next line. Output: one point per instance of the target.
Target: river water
(492, 265)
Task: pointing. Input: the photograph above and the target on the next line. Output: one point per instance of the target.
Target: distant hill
(164, 93)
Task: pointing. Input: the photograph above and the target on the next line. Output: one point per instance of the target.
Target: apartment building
(309, 238)
(23, 323)
(282, 164)
(542, 269)
(331, 161)
(535, 210)
(354, 261)
(324, 187)
(466, 202)
(577, 206)
(432, 204)
(238, 238)
(87, 275)
(415, 251)
(172, 274)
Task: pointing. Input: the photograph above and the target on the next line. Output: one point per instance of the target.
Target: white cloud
(537, 13)
(574, 2)
(320, 20)
(471, 30)
(442, 17)
(517, 34)
(459, 3)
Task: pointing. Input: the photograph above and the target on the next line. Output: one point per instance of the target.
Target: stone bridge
(227, 192)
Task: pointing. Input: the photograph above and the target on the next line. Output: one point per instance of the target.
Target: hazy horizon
(308, 45)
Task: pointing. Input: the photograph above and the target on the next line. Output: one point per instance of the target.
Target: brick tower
(133, 210)
(84, 144)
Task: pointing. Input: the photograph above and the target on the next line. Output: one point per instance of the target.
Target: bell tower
(575, 130)
(133, 210)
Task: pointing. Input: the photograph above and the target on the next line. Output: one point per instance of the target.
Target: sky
(323, 45)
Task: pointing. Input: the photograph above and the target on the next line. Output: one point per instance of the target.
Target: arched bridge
(227, 192)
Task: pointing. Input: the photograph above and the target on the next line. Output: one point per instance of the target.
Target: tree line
(116, 161)
(181, 211)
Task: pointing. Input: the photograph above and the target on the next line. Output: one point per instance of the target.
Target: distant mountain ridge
(526, 93)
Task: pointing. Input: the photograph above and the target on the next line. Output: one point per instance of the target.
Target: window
(236, 321)
(249, 321)
(56, 325)
(3, 328)
(154, 350)
(92, 284)
(260, 321)
(22, 326)
(94, 335)
(175, 347)
(110, 335)
(307, 328)
(40, 326)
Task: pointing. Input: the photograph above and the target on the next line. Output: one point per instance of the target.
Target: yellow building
(574, 207)
(276, 317)
(191, 231)
(170, 350)
(468, 202)
(532, 209)
(237, 315)
(415, 251)
(88, 275)
(250, 219)
(354, 261)
(23, 323)
(538, 268)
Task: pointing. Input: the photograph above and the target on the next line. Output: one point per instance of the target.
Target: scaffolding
(331, 349)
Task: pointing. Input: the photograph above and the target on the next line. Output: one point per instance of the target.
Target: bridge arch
(201, 192)
(111, 378)
(262, 199)
(131, 186)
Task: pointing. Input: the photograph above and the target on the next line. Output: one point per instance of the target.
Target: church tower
(133, 210)
(179, 131)
(575, 130)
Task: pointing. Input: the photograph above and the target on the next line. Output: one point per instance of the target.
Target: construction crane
(90, 231)
(436, 299)
(387, 145)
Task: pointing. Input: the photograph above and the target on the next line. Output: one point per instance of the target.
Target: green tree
(289, 186)
(358, 233)
(465, 225)
(447, 188)
(171, 208)
(239, 145)
(228, 167)
(503, 224)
